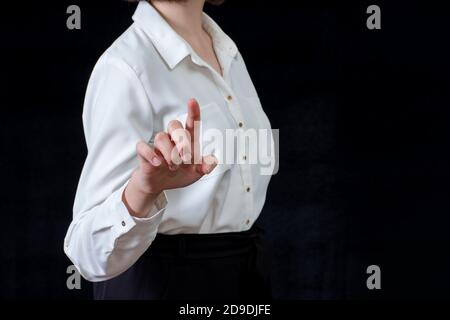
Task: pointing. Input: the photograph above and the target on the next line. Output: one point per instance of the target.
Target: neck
(185, 17)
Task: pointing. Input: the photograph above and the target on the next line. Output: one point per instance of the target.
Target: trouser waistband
(210, 245)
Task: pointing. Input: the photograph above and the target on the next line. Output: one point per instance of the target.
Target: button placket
(230, 99)
(247, 186)
(234, 108)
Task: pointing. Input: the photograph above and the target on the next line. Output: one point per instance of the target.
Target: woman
(168, 219)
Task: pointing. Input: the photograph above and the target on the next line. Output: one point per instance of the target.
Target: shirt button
(123, 223)
(241, 124)
(248, 189)
(244, 157)
(247, 222)
(229, 97)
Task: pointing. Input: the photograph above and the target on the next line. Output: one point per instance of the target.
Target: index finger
(193, 127)
(193, 115)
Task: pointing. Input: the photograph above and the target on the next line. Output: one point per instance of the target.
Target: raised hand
(174, 161)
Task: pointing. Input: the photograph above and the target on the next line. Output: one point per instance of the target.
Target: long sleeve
(103, 239)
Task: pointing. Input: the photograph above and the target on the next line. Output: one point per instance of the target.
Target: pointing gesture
(173, 162)
(193, 117)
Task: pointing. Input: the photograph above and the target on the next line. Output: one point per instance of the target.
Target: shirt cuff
(158, 207)
(125, 221)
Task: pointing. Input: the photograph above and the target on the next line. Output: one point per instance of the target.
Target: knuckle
(160, 136)
(174, 124)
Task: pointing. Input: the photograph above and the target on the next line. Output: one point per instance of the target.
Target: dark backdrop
(364, 126)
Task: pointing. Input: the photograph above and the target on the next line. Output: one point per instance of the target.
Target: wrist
(138, 201)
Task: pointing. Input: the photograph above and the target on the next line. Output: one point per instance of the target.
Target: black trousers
(221, 266)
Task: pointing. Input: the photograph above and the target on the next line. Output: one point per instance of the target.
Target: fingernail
(156, 162)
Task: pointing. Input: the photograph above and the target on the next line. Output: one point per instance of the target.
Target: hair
(214, 2)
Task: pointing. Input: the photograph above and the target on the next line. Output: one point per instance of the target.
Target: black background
(364, 126)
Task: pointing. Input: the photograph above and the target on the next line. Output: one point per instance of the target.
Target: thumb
(208, 164)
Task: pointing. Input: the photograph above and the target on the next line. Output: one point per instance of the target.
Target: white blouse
(139, 84)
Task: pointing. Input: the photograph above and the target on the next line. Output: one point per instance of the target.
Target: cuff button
(123, 223)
